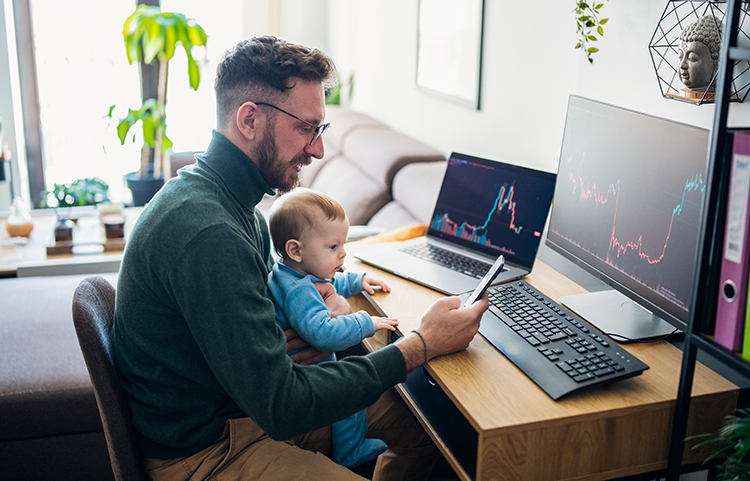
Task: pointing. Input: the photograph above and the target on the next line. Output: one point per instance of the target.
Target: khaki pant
(244, 452)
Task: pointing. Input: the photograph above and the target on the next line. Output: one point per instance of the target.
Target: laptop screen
(493, 207)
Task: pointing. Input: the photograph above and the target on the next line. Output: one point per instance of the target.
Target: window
(82, 69)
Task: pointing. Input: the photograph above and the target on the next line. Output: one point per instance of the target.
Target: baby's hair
(298, 210)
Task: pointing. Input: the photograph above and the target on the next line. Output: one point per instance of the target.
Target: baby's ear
(292, 249)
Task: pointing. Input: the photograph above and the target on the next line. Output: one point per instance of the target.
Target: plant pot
(143, 187)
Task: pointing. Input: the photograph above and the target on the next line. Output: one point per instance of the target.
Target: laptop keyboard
(449, 259)
(557, 350)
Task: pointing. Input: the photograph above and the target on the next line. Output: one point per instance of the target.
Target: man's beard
(273, 169)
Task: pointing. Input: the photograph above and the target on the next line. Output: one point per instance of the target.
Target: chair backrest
(93, 316)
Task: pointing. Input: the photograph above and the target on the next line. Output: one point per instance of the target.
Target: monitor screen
(493, 207)
(627, 209)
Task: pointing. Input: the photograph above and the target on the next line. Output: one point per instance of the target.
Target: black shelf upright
(711, 242)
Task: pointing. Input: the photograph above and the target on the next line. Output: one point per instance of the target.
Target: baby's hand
(368, 283)
(384, 323)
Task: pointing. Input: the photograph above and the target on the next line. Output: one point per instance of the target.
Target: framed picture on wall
(449, 49)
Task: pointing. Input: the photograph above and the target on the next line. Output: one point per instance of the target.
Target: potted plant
(153, 36)
(63, 197)
(734, 443)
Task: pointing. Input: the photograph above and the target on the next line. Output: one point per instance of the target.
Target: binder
(733, 293)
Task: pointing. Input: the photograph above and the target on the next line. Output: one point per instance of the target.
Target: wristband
(426, 352)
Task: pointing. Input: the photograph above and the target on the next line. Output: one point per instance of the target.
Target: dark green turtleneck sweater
(195, 338)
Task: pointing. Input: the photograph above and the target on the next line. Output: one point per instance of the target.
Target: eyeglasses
(319, 129)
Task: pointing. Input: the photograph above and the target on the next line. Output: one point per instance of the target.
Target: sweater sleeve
(222, 295)
(309, 316)
(348, 283)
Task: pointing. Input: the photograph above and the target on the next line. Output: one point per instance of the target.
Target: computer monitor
(627, 209)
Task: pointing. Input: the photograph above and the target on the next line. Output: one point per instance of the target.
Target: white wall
(529, 69)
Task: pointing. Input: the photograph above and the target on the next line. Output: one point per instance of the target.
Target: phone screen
(486, 281)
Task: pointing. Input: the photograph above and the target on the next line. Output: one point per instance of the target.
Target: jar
(64, 230)
(19, 222)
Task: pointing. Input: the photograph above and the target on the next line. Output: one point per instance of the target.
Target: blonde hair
(298, 210)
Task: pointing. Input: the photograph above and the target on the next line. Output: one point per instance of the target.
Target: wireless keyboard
(557, 350)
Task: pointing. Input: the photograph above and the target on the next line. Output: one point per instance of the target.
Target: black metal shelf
(710, 245)
(731, 359)
(739, 53)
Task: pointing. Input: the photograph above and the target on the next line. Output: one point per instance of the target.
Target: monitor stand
(616, 315)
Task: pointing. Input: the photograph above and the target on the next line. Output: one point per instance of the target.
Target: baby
(309, 230)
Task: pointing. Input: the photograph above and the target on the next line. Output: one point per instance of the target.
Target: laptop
(485, 208)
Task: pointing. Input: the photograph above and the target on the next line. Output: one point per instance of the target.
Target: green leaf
(149, 131)
(592, 50)
(123, 127)
(197, 35)
(170, 42)
(154, 41)
(600, 31)
(193, 72)
(166, 143)
(603, 21)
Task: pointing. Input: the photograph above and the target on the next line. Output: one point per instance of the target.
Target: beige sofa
(383, 178)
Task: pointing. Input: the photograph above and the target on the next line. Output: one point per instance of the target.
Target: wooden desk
(31, 258)
(512, 430)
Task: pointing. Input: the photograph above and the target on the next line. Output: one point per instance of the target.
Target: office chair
(93, 315)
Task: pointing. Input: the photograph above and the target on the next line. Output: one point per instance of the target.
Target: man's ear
(293, 249)
(248, 120)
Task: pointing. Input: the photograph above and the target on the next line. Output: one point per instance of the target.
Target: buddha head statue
(699, 52)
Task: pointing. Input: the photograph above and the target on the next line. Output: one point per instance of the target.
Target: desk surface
(616, 430)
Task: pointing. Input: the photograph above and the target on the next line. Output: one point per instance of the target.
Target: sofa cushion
(44, 384)
(359, 194)
(382, 153)
(343, 122)
(415, 191)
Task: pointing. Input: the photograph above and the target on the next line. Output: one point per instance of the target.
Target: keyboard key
(583, 377)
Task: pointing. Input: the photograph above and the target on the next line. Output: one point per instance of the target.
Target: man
(201, 359)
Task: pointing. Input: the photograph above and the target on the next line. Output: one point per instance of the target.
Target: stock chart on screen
(628, 197)
(505, 212)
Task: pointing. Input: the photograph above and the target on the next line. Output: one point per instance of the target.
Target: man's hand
(307, 354)
(446, 327)
(333, 301)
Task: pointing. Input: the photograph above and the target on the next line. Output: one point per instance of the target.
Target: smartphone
(484, 284)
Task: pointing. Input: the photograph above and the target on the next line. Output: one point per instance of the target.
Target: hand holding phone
(484, 284)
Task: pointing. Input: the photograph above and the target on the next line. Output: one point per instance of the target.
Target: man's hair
(294, 212)
(259, 70)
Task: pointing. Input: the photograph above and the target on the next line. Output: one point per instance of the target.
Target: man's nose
(316, 149)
